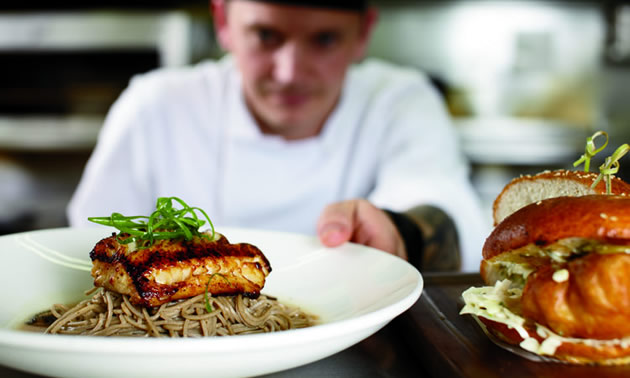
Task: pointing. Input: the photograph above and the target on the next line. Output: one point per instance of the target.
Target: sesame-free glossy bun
(600, 217)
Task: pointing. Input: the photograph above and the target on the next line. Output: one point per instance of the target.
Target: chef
(293, 130)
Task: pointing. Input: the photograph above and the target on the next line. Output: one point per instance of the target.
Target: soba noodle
(108, 313)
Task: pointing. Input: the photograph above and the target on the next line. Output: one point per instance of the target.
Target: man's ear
(370, 19)
(218, 9)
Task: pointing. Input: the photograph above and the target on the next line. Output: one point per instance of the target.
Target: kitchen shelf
(168, 32)
(520, 141)
(49, 133)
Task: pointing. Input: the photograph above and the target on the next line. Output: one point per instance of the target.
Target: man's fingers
(361, 222)
(335, 224)
(333, 235)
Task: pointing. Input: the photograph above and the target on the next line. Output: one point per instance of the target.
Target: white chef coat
(186, 132)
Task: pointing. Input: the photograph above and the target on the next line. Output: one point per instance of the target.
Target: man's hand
(360, 222)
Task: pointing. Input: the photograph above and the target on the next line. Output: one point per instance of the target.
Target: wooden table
(452, 345)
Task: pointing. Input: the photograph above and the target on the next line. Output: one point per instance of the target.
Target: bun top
(601, 217)
(528, 189)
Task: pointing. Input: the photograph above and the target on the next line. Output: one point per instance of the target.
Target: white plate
(354, 289)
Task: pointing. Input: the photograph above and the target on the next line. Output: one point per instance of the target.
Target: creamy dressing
(560, 275)
(511, 269)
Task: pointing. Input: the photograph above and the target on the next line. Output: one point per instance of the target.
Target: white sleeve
(421, 164)
(116, 177)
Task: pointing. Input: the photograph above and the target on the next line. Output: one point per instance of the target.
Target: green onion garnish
(590, 150)
(166, 222)
(205, 295)
(611, 166)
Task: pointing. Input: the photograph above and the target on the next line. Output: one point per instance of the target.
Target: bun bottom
(583, 353)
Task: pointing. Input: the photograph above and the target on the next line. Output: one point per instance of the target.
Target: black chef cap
(354, 5)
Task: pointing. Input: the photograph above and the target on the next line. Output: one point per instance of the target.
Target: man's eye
(268, 37)
(326, 39)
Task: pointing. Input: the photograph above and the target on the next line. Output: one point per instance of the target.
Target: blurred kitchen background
(526, 82)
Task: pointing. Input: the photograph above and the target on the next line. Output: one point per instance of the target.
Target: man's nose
(289, 63)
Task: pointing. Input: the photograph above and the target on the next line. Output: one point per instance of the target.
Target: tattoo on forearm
(441, 251)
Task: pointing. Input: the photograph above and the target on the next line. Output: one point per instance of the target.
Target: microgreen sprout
(166, 222)
(590, 150)
(610, 167)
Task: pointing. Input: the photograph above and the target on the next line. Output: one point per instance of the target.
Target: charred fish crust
(197, 249)
(220, 248)
(177, 269)
(99, 252)
(264, 258)
(135, 272)
(159, 258)
(149, 294)
(255, 251)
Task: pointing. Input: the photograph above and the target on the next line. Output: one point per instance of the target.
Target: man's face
(293, 61)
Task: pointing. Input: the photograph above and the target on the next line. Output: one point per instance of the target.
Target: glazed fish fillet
(170, 270)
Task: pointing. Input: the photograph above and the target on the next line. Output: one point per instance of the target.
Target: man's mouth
(289, 98)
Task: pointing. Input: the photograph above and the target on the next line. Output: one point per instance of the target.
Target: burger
(558, 279)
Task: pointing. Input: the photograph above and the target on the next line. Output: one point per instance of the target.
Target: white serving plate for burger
(354, 290)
